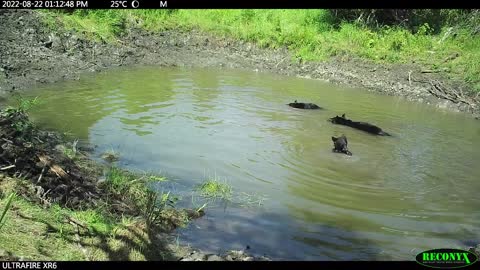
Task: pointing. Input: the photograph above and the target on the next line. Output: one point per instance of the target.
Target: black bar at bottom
(216, 265)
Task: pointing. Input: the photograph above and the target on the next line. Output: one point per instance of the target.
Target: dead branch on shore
(456, 95)
(46, 161)
(7, 167)
(434, 70)
(41, 174)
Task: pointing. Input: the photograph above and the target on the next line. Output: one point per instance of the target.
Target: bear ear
(343, 115)
(334, 139)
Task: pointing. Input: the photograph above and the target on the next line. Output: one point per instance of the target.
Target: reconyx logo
(446, 258)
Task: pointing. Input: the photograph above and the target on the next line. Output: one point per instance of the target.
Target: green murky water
(396, 196)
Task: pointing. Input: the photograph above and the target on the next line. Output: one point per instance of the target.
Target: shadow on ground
(134, 241)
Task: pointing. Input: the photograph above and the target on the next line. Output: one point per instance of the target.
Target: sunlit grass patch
(215, 189)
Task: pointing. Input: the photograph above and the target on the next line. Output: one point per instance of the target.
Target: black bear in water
(341, 145)
(372, 129)
(301, 105)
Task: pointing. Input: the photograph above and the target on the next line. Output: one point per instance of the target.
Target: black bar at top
(235, 4)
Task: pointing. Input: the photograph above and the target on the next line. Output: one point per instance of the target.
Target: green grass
(121, 180)
(309, 34)
(17, 114)
(137, 191)
(56, 233)
(8, 203)
(20, 106)
(37, 233)
(250, 200)
(71, 153)
(215, 189)
(212, 188)
(47, 234)
(133, 187)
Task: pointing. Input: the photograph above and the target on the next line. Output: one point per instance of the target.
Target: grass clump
(215, 189)
(130, 186)
(7, 206)
(139, 191)
(23, 105)
(248, 199)
(17, 115)
(71, 153)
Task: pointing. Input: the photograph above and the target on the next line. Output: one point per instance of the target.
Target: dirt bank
(31, 54)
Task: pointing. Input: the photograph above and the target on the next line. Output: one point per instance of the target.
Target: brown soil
(29, 153)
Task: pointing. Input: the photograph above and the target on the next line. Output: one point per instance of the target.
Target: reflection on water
(395, 197)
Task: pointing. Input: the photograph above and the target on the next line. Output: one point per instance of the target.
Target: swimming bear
(301, 105)
(372, 129)
(341, 145)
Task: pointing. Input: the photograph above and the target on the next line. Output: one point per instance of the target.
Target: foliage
(18, 115)
(213, 188)
(138, 190)
(8, 204)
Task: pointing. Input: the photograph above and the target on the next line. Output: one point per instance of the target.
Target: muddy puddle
(294, 198)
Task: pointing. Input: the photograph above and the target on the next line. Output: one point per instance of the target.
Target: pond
(393, 198)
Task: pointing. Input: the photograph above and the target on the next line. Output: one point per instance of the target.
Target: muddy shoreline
(31, 54)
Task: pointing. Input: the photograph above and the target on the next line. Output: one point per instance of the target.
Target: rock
(101, 180)
(194, 256)
(237, 253)
(110, 157)
(60, 148)
(475, 250)
(187, 259)
(86, 148)
(193, 214)
(231, 255)
(29, 31)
